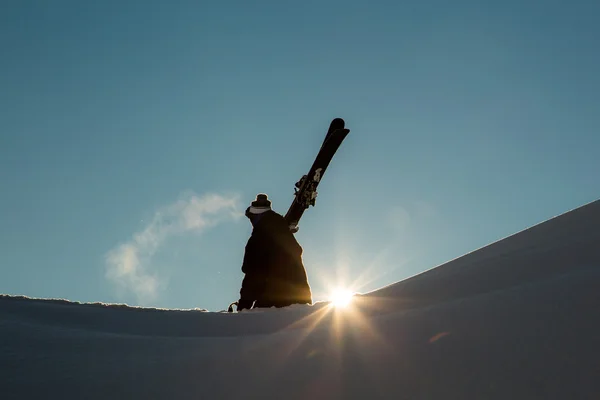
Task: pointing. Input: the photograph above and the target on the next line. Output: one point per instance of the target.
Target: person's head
(260, 205)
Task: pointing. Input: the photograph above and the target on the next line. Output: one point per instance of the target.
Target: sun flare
(341, 297)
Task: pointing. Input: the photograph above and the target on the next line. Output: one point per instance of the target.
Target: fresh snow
(518, 319)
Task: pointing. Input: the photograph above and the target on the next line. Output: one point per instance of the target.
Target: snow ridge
(515, 319)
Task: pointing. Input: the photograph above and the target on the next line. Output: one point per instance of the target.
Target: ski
(306, 188)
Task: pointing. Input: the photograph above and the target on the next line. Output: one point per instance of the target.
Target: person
(274, 271)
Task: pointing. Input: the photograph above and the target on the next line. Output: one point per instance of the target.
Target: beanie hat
(260, 205)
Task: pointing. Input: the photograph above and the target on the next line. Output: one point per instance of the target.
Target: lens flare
(341, 297)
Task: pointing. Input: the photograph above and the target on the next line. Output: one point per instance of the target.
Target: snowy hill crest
(515, 319)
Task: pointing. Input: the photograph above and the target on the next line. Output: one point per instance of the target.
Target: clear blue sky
(133, 133)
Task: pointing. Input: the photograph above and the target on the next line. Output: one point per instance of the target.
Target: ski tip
(337, 123)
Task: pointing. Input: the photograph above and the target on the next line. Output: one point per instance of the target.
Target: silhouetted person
(273, 268)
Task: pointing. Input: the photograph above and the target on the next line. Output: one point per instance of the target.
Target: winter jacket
(273, 268)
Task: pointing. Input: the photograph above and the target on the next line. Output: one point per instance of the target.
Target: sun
(341, 297)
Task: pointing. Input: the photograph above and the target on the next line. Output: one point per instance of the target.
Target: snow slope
(518, 319)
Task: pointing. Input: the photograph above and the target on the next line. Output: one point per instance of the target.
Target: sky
(134, 134)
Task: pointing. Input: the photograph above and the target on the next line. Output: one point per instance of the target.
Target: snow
(516, 319)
